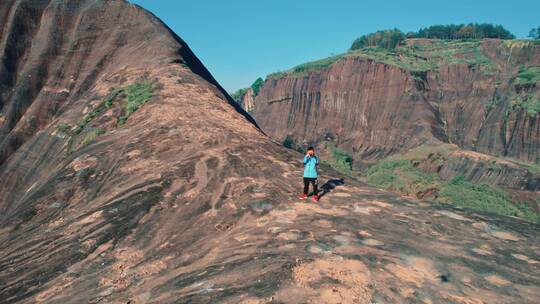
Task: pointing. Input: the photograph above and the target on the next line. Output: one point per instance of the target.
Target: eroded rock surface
(186, 201)
(374, 107)
(247, 101)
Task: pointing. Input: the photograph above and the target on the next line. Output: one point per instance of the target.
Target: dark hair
(311, 149)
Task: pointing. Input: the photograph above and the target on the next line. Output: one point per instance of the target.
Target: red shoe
(302, 197)
(315, 198)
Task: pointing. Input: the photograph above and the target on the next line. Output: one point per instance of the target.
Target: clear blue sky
(240, 40)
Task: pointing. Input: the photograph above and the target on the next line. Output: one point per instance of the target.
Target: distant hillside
(500, 69)
(390, 39)
(482, 95)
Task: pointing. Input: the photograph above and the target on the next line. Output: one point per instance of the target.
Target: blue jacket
(310, 166)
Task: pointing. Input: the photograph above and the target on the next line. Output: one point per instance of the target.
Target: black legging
(313, 181)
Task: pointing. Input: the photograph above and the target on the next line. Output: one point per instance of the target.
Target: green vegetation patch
(136, 95)
(491, 104)
(527, 101)
(463, 31)
(238, 95)
(288, 142)
(421, 58)
(399, 174)
(132, 98)
(424, 151)
(256, 86)
(91, 136)
(447, 44)
(531, 106)
(340, 160)
(529, 75)
(386, 39)
(484, 198)
(414, 58)
(520, 43)
(404, 58)
(535, 33)
(532, 167)
(309, 66)
(88, 118)
(316, 65)
(64, 128)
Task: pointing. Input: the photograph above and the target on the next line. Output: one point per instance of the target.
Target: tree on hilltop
(535, 33)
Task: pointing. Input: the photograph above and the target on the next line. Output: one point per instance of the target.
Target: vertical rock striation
(374, 107)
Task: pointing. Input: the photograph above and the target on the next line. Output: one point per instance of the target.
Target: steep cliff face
(246, 100)
(128, 176)
(53, 53)
(360, 104)
(375, 103)
(245, 97)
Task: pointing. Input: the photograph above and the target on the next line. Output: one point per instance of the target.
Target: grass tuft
(91, 136)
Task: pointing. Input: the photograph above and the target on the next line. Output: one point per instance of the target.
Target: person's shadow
(330, 185)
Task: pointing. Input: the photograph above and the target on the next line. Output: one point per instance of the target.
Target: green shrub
(532, 106)
(110, 98)
(64, 128)
(288, 142)
(136, 95)
(340, 160)
(529, 75)
(238, 95)
(256, 86)
(91, 136)
(98, 110)
(526, 101)
(463, 31)
(386, 39)
(535, 33)
(491, 104)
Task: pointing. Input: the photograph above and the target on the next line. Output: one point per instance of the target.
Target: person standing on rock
(310, 174)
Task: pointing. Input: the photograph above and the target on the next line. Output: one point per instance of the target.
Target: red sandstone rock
(375, 109)
(188, 202)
